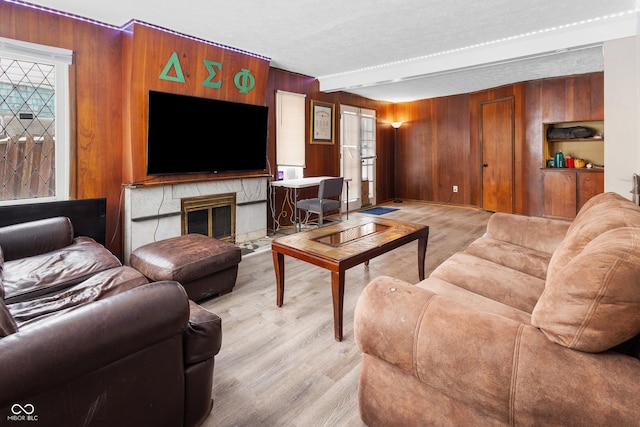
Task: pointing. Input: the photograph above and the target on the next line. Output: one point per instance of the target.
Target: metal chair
(325, 202)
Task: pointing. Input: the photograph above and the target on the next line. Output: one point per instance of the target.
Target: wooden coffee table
(343, 245)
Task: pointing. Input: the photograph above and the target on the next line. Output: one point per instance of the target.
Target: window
(290, 138)
(34, 142)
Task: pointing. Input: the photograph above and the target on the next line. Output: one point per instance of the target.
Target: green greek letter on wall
(211, 67)
(173, 63)
(244, 80)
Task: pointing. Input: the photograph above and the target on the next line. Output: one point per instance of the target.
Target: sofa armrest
(64, 348)
(542, 234)
(508, 370)
(203, 337)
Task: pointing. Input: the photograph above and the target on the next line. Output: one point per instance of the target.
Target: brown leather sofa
(85, 340)
(536, 323)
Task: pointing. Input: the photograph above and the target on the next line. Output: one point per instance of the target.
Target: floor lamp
(396, 126)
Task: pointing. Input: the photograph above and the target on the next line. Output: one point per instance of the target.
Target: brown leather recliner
(103, 348)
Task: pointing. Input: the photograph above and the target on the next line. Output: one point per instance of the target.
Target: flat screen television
(188, 134)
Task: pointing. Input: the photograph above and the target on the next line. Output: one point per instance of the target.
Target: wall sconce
(396, 125)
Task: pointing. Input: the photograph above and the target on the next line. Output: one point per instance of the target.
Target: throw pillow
(593, 303)
(610, 212)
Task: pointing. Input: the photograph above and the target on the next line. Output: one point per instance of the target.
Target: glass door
(368, 157)
(358, 155)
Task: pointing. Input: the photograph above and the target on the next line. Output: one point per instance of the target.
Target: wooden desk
(344, 245)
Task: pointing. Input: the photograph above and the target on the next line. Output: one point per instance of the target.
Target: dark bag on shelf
(569, 132)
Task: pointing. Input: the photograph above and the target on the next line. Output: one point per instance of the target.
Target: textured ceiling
(454, 82)
(386, 48)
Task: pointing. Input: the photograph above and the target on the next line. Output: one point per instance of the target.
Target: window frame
(61, 59)
(290, 135)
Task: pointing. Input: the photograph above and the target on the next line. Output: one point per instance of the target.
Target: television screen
(188, 134)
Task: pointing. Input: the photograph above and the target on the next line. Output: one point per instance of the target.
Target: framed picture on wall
(322, 123)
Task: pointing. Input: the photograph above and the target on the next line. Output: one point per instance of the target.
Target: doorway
(358, 154)
(497, 138)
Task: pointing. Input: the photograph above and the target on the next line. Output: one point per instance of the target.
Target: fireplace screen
(213, 216)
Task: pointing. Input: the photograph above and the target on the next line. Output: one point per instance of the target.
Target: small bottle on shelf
(558, 160)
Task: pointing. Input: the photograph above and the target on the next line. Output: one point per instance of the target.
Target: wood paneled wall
(96, 100)
(146, 53)
(573, 98)
(434, 149)
(439, 141)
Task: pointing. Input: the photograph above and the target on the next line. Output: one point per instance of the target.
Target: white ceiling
(394, 50)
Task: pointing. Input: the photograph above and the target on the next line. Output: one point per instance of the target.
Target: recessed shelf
(589, 149)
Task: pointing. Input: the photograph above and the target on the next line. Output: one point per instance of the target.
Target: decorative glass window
(34, 143)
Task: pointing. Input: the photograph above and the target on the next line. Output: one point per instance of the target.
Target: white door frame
(352, 160)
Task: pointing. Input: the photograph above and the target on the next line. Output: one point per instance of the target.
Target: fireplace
(213, 216)
(156, 212)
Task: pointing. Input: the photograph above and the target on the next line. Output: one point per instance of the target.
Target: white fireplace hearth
(154, 212)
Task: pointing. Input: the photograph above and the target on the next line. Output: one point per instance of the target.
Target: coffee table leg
(278, 266)
(422, 251)
(337, 292)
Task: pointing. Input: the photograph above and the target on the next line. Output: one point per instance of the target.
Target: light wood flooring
(281, 366)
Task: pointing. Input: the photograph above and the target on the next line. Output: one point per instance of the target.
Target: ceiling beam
(579, 35)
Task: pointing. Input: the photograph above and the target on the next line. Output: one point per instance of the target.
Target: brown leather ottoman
(203, 265)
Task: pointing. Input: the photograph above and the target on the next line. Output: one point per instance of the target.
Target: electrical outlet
(455, 188)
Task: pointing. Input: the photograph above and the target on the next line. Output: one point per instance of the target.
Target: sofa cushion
(473, 300)
(521, 258)
(99, 286)
(541, 234)
(593, 304)
(7, 323)
(35, 237)
(491, 280)
(38, 275)
(601, 213)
